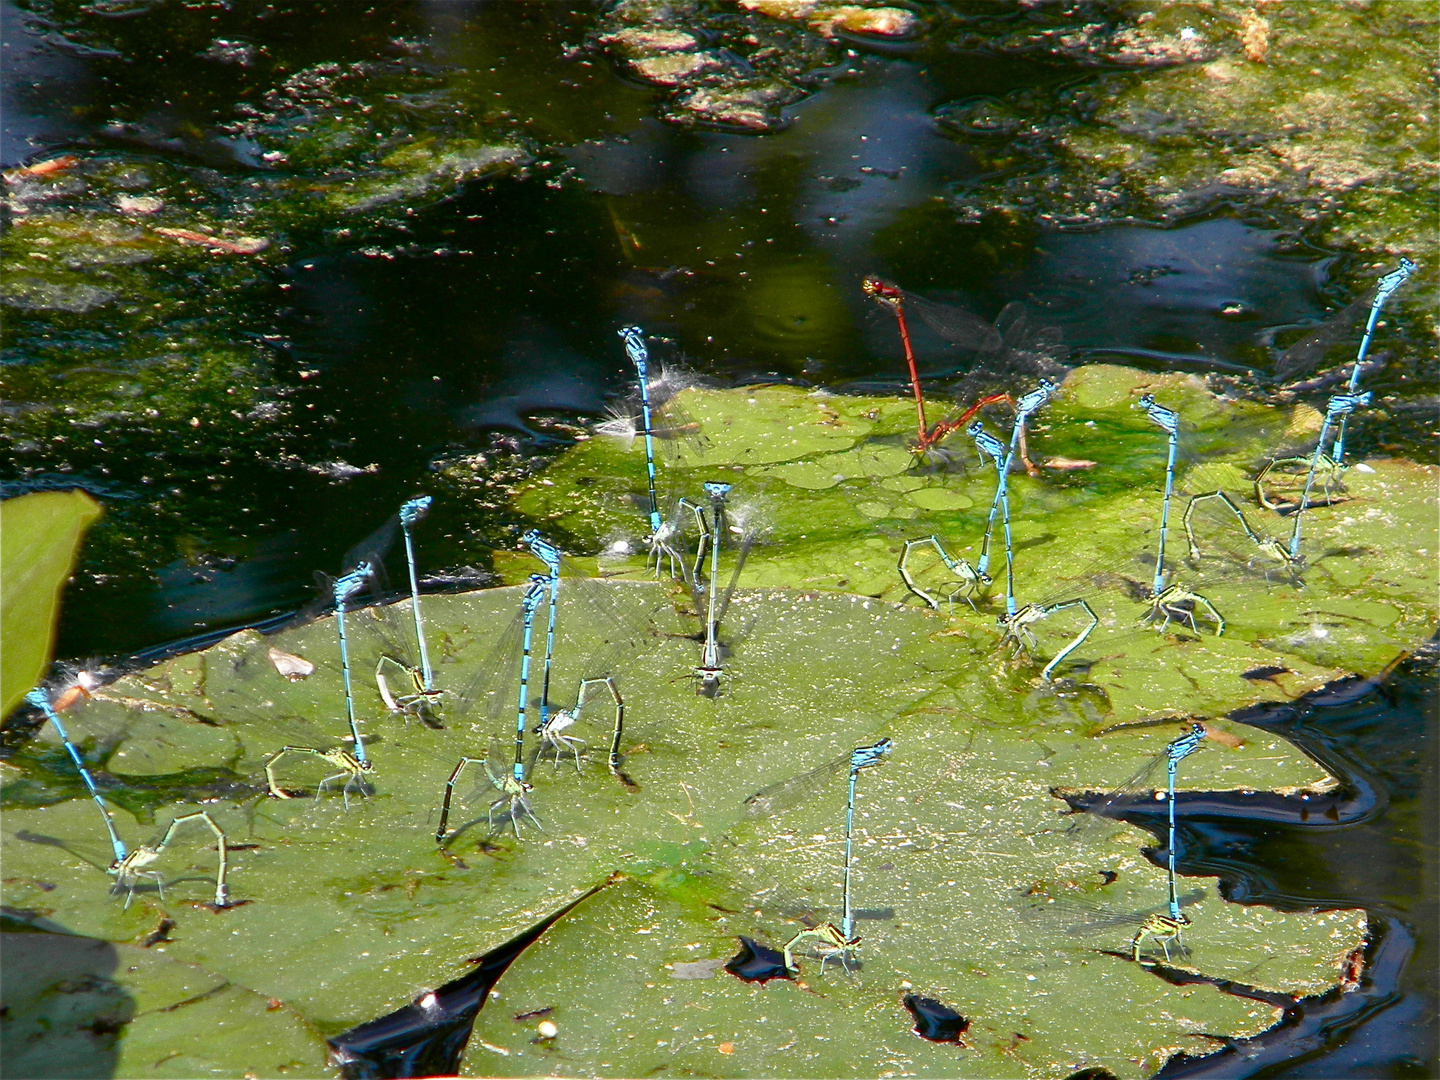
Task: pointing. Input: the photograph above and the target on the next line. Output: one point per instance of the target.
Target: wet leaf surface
(961, 841)
(83, 1008)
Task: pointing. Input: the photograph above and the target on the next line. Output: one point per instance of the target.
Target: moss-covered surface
(148, 289)
(832, 478)
(142, 286)
(737, 69)
(1307, 115)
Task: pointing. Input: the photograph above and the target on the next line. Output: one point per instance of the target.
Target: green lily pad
(967, 876)
(344, 914)
(78, 1007)
(1367, 594)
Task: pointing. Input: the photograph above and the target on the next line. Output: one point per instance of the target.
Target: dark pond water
(484, 321)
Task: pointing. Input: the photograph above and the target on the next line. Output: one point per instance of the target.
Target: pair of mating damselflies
(1338, 410)
(829, 941)
(1163, 927)
(129, 865)
(1012, 348)
(1015, 620)
(1168, 926)
(1340, 406)
(509, 669)
(662, 418)
(364, 580)
(1167, 600)
(970, 578)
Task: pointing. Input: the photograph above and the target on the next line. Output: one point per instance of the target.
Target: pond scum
(782, 623)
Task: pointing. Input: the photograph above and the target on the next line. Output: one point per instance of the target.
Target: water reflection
(477, 313)
(1206, 290)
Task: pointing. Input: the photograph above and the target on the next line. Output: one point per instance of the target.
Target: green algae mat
(972, 883)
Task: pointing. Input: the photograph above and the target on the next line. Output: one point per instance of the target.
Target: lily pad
(964, 854)
(1367, 597)
(345, 914)
(77, 1007)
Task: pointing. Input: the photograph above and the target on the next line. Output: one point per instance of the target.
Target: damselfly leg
(1264, 547)
(513, 794)
(128, 871)
(350, 769)
(556, 732)
(415, 700)
(1017, 628)
(1164, 930)
(966, 579)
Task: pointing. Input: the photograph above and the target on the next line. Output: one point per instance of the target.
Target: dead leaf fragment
(291, 666)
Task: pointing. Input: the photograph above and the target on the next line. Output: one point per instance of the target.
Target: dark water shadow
(428, 1036)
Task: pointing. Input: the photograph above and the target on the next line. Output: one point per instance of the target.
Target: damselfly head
(414, 510)
(707, 682)
(882, 291)
(717, 491)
